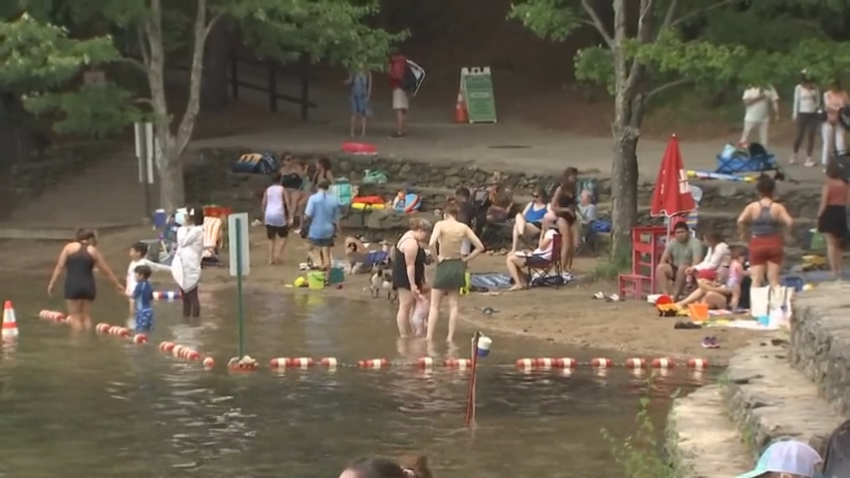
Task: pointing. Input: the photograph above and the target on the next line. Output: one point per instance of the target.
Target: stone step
(767, 399)
(701, 439)
(821, 342)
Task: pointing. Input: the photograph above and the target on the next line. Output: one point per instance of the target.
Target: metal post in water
(470, 396)
(239, 302)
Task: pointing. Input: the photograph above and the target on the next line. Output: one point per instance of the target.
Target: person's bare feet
(517, 287)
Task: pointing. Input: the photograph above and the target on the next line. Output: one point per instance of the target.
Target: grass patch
(618, 262)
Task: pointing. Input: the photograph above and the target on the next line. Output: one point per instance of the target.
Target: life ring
(359, 148)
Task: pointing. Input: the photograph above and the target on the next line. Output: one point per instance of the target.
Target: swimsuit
(79, 275)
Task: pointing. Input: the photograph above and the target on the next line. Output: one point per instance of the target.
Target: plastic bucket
(160, 217)
(315, 280)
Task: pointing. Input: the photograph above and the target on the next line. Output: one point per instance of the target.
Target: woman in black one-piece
(832, 216)
(563, 215)
(409, 254)
(78, 259)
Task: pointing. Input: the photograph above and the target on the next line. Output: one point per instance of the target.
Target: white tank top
(275, 213)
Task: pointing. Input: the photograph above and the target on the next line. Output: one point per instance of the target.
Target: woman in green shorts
(450, 276)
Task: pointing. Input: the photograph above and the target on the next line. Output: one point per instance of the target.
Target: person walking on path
(79, 259)
(805, 114)
(834, 100)
(401, 101)
(450, 276)
(360, 84)
(832, 215)
(758, 103)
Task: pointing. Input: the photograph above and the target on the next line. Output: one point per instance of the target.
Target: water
(99, 407)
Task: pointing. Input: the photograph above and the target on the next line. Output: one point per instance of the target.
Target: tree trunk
(172, 192)
(624, 181)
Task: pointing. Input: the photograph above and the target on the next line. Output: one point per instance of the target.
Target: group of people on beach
(80, 259)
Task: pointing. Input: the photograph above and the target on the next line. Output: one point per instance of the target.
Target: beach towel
(186, 265)
(212, 236)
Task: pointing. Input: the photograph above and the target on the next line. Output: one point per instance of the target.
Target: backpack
(408, 79)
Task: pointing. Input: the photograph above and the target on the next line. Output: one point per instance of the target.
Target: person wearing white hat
(786, 459)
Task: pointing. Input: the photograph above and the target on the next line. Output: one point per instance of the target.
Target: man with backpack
(402, 84)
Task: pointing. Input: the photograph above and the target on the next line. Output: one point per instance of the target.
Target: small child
(143, 299)
(419, 317)
(736, 275)
(138, 253)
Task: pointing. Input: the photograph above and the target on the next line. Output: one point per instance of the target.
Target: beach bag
(341, 189)
(374, 176)
(408, 79)
(773, 303)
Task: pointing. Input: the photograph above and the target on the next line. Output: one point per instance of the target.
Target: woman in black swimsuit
(78, 259)
(291, 179)
(409, 271)
(563, 215)
(323, 171)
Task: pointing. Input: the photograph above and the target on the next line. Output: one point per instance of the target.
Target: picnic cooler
(753, 159)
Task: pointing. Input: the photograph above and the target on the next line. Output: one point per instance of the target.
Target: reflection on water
(98, 407)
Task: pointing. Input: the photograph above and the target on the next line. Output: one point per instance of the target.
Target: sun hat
(792, 457)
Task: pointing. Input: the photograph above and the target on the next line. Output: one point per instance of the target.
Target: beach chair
(213, 240)
(543, 272)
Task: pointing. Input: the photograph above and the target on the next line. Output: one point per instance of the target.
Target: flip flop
(599, 295)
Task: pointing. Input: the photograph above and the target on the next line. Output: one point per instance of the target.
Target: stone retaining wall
(820, 340)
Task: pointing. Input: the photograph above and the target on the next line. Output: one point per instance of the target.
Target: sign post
(146, 152)
(240, 265)
(477, 86)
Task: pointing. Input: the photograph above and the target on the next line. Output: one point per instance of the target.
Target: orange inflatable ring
(359, 148)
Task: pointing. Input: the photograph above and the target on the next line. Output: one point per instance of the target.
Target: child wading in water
(143, 299)
(138, 253)
(186, 267)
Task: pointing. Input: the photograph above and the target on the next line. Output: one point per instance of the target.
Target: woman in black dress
(562, 213)
(409, 271)
(832, 215)
(78, 259)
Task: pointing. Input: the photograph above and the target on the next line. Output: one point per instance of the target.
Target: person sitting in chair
(500, 199)
(529, 221)
(516, 261)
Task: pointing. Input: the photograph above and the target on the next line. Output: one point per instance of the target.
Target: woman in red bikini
(768, 222)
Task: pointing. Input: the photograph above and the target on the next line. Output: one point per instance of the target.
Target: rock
(699, 435)
(386, 220)
(769, 400)
(820, 342)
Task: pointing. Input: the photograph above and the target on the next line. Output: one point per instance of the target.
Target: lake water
(88, 406)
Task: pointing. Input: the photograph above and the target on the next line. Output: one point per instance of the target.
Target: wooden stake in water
(470, 395)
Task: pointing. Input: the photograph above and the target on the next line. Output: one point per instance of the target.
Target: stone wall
(820, 340)
(30, 178)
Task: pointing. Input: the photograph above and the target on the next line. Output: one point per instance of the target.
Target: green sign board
(477, 85)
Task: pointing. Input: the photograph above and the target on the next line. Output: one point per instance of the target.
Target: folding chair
(213, 240)
(587, 238)
(546, 272)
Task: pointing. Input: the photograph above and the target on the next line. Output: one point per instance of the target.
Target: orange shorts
(766, 249)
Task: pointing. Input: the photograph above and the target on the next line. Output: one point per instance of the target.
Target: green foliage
(640, 453)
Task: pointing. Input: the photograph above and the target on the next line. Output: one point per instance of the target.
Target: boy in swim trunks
(138, 253)
(143, 298)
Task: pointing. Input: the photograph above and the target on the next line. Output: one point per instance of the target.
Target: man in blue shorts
(323, 214)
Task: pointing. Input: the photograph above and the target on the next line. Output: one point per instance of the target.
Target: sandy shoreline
(568, 315)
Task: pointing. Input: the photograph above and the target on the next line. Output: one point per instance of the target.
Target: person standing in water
(275, 208)
(186, 266)
(78, 259)
(450, 276)
(408, 267)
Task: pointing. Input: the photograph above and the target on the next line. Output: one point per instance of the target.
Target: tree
(649, 47)
(325, 29)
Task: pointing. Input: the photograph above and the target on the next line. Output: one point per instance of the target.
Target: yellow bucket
(315, 280)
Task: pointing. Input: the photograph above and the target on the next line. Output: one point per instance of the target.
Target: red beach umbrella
(672, 195)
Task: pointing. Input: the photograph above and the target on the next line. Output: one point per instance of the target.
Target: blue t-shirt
(143, 295)
(323, 210)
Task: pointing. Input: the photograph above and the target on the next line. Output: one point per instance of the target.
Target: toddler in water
(138, 251)
(143, 299)
(419, 317)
